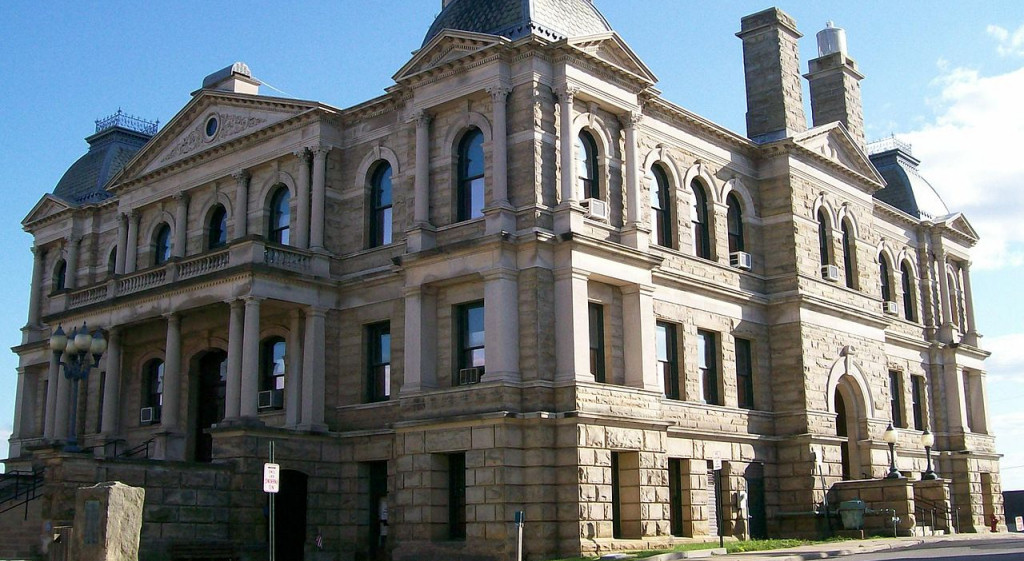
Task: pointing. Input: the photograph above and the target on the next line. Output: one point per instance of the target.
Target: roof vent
(832, 39)
(236, 78)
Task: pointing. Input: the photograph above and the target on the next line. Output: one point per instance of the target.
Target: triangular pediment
(46, 207)
(210, 120)
(834, 143)
(610, 49)
(958, 223)
(447, 47)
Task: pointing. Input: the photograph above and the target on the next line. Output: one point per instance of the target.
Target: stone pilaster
(421, 235)
(313, 383)
(112, 384)
(233, 385)
(180, 225)
(319, 198)
(420, 370)
(293, 372)
(132, 251)
(242, 178)
(122, 244)
(250, 384)
(501, 325)
(302, 200)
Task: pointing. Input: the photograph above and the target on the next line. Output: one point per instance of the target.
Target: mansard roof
(117, 139)
(514, 19)
(906, 189)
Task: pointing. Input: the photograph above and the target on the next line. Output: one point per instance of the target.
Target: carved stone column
(317, 218)
(302, 200)
(241, 203)
(971, 338)
(112, 384)
(180, 224)
(170, 411)
(635, 234)
(567, 143)
(498, 210)
(50, 416)
(313, 382)
(122, 244)
(250, 385)
(293, 372)
(35, 297)
(132, 251)
(233, 387)
(501, 325)
(71, 273)
(421, 187)
(63, 405)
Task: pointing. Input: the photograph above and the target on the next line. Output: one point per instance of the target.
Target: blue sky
(945, 76)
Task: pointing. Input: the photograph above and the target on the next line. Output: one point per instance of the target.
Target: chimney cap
(221, 79)
(831, 40)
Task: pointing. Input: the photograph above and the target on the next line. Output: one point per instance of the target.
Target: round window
(211, 127)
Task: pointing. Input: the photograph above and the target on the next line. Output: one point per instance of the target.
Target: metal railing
(19, 488)
(926, 510)
(137, 450)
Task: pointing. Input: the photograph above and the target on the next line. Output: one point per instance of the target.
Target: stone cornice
(789, 147)
(656, 105)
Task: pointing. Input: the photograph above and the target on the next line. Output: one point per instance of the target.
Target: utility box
(852, 514)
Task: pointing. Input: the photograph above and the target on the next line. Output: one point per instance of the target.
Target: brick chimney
(771, 67)
(835, 84)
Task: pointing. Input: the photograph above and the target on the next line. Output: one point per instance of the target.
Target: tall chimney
(835, 84)
(771, 66)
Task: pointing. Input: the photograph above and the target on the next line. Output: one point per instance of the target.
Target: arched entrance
(212, 380)
(848, 418)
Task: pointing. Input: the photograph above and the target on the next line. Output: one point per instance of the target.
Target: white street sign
(271, 478)
(716, 460)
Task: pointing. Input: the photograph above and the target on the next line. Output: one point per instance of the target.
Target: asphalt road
(982, 549)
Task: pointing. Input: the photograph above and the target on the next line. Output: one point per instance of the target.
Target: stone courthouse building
(520, 280)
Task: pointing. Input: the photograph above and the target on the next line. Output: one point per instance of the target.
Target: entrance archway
(849, 414)
(212, 381)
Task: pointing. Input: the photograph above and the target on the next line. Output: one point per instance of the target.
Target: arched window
(471, 176)
(112, 261)
(217, 229)
(823, 237)
(883, 272)
(849, 259)
(699, 216)
(661, 207)
(954, 299)
(60, 275)
(586, 166)
(272, 364)
(280, 216)
(153, 386)
(162, 245)
(909, 309)
(380, 206)
(734, 218)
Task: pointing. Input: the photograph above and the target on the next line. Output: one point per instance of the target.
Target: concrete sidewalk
(853, 547)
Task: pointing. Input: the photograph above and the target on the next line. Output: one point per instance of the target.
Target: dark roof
(515, 19)
(109, 151)
(905, 188)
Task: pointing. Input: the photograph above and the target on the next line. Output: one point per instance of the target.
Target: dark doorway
(290, 515)
(754, 477)
(378, 508)
(675, 495)
(210, 406)
(842, 431)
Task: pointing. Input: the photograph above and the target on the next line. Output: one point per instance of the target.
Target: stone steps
(21, 534)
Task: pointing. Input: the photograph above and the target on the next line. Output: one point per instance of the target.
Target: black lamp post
(890, 438)
(77, 363)
(928, 440)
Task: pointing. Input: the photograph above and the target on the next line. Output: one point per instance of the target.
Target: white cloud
(970, 152)
(1007, 361)
(1010, 44)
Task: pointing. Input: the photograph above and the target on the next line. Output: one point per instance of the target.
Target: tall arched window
(823, 237)
(60, 275)
(162, 245)
(883, 272)
(586, 166)
(471, 176)
(380, 206)
(734, 218)
(661, 207)
(699, 216)
(909, 309)
(849, 259)
(217, 229)
(272, 364)
(954, 299)
(280, 216)
(112, 261)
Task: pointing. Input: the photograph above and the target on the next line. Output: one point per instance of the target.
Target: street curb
(810, 555)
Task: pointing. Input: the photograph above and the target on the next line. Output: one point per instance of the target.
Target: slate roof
(905, 188)
(109, 151)
(515, 19)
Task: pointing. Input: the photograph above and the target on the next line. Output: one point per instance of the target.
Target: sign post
(271, 485)
(520, 519)
(716, 464)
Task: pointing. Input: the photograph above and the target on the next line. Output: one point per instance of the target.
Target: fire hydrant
(993, 523)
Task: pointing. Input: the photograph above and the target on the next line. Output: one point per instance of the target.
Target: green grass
(730, 546)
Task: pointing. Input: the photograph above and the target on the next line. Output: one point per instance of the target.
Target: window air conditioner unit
(596, 209)
(740, 260)
(149, 415)
(889, 307)
(270, 399)
(469, 376)
(830, 273)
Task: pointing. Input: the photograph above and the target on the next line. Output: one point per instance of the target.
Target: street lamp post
(890, 438)
(928, 440)
(76, 349)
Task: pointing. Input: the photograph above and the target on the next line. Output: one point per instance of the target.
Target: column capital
(37, 251)
(172, 317)
(320, 151)
(316, 311)
(566, 93)
(499, 92)
(642, 289)
(304, 154)
(252, 299)
(500, 273)
(631, 119)
(132, 215)
(71, 239)
(181, 197)
(422, 118)
(241, 176)
(571, 272)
